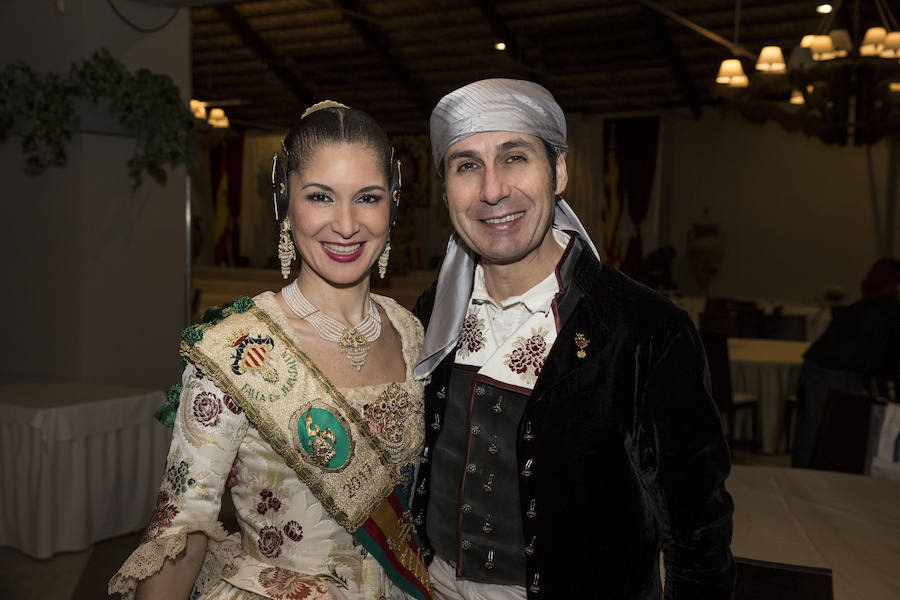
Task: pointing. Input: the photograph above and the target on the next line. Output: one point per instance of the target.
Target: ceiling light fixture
(771, 60)
(198, 109)
(500, 46)
(217, 118)
(823, 9)
(841, 84)
(731, 72)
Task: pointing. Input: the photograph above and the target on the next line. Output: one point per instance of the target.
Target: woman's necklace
(354, 341)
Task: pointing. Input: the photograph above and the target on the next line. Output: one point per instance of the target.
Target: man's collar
(454, 290)
(537, 299)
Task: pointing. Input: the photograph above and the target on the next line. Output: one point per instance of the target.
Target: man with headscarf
(570, 431)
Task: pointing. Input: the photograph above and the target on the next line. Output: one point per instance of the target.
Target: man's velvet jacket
(628, 448)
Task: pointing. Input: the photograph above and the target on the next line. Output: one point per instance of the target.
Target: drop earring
(383, 260)
(286, 253)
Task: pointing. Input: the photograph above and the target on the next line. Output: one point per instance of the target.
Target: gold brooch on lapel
(582, 343)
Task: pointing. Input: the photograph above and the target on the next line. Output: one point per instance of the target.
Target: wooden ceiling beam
(285, 74)
(662, 39)
(732, 45)
(380, 46)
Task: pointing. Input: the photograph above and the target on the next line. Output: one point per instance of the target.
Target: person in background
(570, 430)
(312, 389)
(862, 342)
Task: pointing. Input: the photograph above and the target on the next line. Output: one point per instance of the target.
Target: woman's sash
(310, 424)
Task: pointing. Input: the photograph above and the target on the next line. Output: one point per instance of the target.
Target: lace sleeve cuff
(151, 555)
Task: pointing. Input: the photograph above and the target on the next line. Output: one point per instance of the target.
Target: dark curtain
(611, 210)
(635, 141)
(226, 166)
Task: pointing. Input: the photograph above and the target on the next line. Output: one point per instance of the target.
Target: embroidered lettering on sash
(401, 544)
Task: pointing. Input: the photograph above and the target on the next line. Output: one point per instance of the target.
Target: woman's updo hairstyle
(327, 123)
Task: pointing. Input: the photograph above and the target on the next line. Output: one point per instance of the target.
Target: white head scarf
(487, 105)
(496, 105)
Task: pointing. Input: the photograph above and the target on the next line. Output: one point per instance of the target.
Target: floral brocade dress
(289, 547)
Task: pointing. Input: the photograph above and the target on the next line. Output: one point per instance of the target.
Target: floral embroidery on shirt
(471, 335)
(232, 405)
(527, 357)
(207, 408)
(289, 585)
(179, 479)
(268, 501)
(270, 541)
(293, 530)
(162, 516)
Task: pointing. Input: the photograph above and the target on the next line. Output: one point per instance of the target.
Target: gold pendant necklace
(353, 341)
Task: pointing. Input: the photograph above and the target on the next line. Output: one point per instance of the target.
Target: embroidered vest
(474, 517)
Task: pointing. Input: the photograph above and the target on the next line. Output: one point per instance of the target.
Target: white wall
(796, 213)
(94, 272)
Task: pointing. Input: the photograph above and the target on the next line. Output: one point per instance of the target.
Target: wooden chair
(729, 402)
(843, 435)
(764, 580)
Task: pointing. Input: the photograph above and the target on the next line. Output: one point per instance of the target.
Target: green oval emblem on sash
(324, 438)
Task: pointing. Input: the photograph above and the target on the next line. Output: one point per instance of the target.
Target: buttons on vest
(526, 472)
(531, 512)
(488, 487)
(425, 454)
(489, 563)
(420, 518)
(467, 508)
(436, 425)
(475, 429)
(493, 449)
(535, 587)
(528, 436)
(479, 390)
(497, 408)
(471, 468)
(466, 545)
(487, 528)
(442, 393)
(529, 549)
(421, 489)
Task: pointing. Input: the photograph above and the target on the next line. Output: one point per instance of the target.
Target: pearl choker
(354, 341)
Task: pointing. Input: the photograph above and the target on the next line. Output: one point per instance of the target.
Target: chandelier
(839, 84)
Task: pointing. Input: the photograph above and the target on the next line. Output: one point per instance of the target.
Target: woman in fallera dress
(312, 388)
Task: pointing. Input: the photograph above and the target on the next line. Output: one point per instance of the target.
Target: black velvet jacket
(628, 450)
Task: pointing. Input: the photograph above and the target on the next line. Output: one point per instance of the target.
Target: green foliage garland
(146, 104)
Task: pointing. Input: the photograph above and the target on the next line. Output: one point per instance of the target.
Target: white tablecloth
(78, 463)
(768, 369)
(848, 523)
